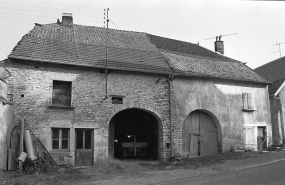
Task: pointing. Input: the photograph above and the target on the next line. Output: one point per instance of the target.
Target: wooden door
(84, 147)
(194, 145)
(190, 135)
(199, 135)
(250, 140)
(208, 135)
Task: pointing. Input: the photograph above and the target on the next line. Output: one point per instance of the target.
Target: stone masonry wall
(31, 87)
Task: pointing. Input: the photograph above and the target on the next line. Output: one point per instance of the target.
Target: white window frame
(60, 139)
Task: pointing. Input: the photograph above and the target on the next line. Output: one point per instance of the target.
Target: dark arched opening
(134, 134)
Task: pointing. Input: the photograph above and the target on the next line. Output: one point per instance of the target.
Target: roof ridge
(92, 27)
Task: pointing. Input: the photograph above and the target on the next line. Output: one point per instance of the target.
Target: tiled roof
(273, 70)
(83, 45)
(185, 47)
(135, 51)
(211, 68)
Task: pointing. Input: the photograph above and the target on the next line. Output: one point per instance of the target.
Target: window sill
(61, 107)
(248, 110)
(59, 151)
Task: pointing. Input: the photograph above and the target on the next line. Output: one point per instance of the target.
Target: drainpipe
(170, 78)
(281, 115)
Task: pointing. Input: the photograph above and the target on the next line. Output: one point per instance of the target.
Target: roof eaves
(81, 65)
(185, 74)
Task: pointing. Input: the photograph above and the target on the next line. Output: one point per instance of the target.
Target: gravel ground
(144, 172)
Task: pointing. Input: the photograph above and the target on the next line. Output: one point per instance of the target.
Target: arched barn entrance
(201, 134)
(133, 134)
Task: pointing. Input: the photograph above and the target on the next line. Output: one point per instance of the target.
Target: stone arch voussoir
(145, 107)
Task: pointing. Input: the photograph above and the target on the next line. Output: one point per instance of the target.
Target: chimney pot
(67, 20)
(219, 46)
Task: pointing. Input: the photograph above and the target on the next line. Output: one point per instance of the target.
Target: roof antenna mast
(279, 48)
(106, 24)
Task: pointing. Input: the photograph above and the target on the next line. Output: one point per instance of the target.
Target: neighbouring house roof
(127, 50)
(273, 71)
(276, 87)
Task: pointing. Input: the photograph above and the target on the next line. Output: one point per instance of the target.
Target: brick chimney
(67, 20)
(219, 45)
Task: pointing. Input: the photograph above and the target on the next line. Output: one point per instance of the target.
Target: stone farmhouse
(274, 71)
(175, 98)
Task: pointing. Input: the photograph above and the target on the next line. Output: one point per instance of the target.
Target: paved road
(271, 174)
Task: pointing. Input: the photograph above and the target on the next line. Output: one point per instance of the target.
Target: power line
(62, 4)
(38, 16)
(39, 11)
(42, 6)
(113, 23)
(37, 20)
(19, 18)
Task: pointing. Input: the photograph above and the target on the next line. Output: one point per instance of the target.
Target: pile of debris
(33, 156)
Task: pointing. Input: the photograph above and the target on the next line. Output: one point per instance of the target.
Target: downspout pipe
(281, 115)
(170, 78)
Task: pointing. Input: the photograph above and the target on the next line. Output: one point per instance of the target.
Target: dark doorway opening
(133, 134)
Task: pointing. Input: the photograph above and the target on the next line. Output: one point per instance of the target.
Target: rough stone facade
(31, 87)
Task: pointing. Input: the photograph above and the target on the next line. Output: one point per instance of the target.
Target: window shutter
(50, 92)
(244, 100)
(72, 93)
(249, 101)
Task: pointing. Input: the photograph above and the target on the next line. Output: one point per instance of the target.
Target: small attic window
(117, 100)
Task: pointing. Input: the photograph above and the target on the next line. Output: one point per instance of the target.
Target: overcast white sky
(258, 24)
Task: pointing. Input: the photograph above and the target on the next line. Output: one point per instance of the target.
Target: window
(247, 102)
(60, 138)
(117, 100)
(61, 93)
(83, 139)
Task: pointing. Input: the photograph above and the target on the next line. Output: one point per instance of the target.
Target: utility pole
(106, 24)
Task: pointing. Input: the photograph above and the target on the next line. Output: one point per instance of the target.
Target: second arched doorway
(200, 134)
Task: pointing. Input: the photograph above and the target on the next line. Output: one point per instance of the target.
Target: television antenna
(220, 36)
(278, 44)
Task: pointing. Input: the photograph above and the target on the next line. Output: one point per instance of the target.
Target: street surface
(272, 174)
